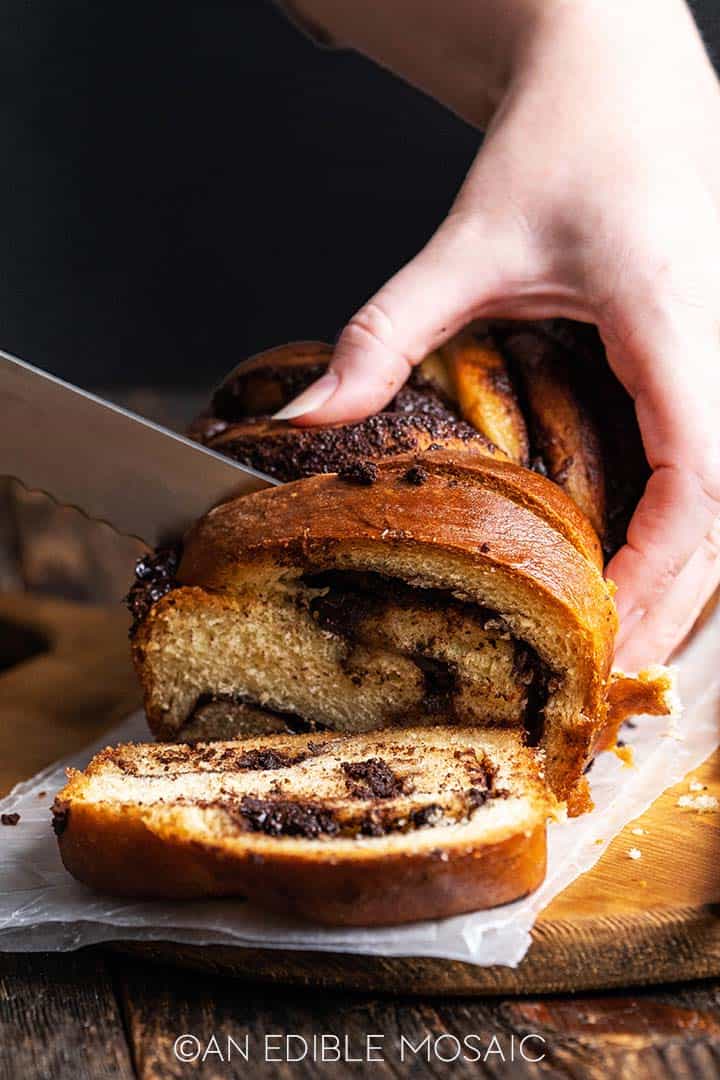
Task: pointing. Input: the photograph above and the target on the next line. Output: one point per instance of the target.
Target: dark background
(185, 183)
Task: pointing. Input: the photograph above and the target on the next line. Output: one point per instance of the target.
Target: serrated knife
(115, 466)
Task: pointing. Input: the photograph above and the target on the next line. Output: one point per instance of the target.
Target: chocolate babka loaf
(408, 644)
(387, 827)
(450, 588)
(541, 394)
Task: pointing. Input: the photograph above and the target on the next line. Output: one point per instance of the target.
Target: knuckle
(370, 325)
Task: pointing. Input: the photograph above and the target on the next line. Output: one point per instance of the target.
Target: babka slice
(427, 589)
(388, 827)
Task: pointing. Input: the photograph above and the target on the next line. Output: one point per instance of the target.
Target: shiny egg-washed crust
(540, 392)
(471, 514)
(260, 385)
(111, 849)
(485, 394)
(139, 847)
(649, 693)
(345, 510)
(563, 431)
(264, 383)
(596, 402)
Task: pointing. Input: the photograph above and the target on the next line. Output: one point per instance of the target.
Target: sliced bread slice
(386, 827)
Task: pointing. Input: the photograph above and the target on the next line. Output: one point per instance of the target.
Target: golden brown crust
(263, 383)
(579, 800)
(496, 516)
(525, 488)
(564, 432)
(649, 693)
(471, 506)
(485, 393)
(112, 850)
(433, 371)
(612, 410)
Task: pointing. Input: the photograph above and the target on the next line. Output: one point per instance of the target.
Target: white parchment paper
(43, 908)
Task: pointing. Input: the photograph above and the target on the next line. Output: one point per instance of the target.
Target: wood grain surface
(87, 1016)
(628, 921)
(79, 685)
(60, 1017)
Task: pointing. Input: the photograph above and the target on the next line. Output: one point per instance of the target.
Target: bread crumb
(638, 832)
(695, 785)
(600, 841)
(625, 754)
(634, 853)
(702, 803)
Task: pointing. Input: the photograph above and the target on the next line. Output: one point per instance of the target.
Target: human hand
(595, 196)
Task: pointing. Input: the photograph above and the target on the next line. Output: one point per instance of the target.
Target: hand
(595, 196)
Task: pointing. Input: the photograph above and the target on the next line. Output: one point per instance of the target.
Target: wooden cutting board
(626, 922)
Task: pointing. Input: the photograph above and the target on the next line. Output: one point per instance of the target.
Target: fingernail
(312, 398)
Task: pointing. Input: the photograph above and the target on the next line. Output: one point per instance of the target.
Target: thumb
(446, 285)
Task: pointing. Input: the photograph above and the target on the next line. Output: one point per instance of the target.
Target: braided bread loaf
(539, 394)
(412, 641)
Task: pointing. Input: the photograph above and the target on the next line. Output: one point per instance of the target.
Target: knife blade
(141, 478)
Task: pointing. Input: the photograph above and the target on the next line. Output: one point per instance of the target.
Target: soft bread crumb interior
(177, 786)
(267, 648)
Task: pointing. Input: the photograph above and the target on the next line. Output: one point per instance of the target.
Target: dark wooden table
(98, 1013)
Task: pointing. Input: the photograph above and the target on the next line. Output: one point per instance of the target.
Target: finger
(654, 634)
(672, 377)
(664, 533)
(442, 289)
